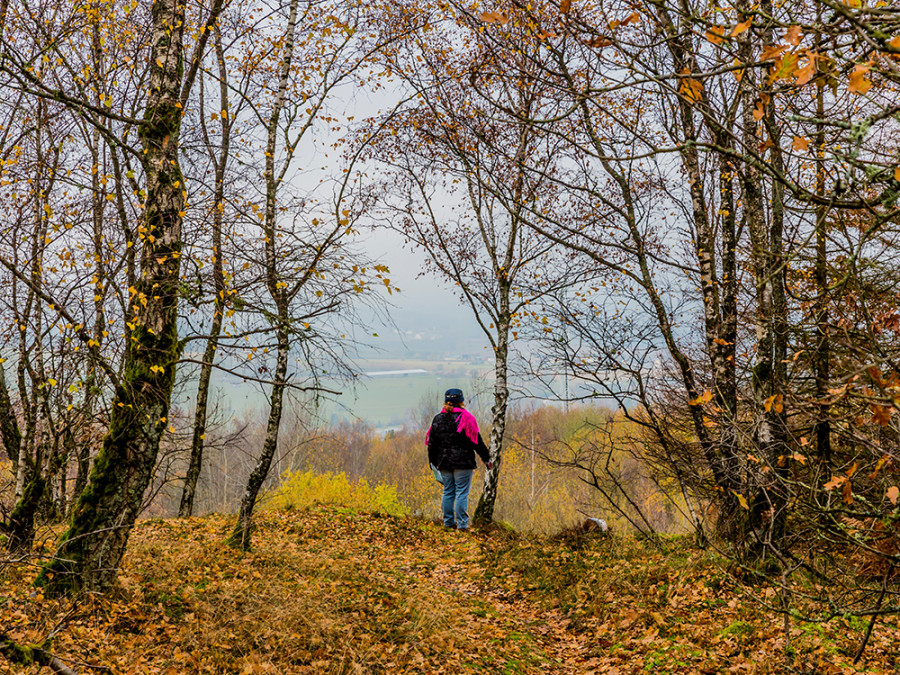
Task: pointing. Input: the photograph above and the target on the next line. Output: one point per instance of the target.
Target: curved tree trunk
(92, 548)
(240, 536)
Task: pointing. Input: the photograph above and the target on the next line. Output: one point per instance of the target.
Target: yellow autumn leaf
(691, 89)
(705, 397)
(741, 500)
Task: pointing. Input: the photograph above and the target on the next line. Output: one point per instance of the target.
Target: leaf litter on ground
(328, 590)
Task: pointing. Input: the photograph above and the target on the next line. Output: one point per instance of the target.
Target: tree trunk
(822, 352)
(9, 425)
(240, 537)
(92, 548)
(209, 354)
(83, 469)
(484, 511)
(767, 511)
(20, 528)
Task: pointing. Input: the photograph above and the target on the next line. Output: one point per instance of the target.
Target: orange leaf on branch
(893, 494)
(774, 403)
(715, 34)
(772, 51)
(692, 90)
(759, 111)
(859, 80)
(599, 41)
(705, 397)
(785, 67)
(565, 6)
(493, 17)
(805, 74)
(741, 27)
(847, 492)
(800, 144)
(792, 35)
(835, 482)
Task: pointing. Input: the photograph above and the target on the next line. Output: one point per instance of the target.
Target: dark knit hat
(454, 396)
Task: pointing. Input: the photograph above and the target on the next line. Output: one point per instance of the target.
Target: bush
(303, 489)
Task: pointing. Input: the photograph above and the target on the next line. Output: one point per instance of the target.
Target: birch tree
(92, 547)
(470, 142)
(307, 267)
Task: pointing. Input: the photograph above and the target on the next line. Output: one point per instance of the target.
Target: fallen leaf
(837, 481)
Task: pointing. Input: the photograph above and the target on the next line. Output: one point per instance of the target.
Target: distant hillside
(328, 590)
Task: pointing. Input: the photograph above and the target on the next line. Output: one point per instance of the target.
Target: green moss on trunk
(20, 529)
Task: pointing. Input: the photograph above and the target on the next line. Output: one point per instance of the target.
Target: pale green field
(382, 401)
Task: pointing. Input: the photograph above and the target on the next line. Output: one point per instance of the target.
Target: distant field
(435, 366)
(382, 401)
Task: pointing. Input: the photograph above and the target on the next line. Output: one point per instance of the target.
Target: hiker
(452, 441)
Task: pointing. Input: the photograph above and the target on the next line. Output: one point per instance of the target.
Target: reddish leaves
(881, 414)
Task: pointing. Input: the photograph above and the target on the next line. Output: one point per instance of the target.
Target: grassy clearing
(331, 590)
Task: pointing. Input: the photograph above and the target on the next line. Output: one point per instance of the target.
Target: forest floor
(329, 591)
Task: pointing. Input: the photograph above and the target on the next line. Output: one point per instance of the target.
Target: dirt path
(531, 638)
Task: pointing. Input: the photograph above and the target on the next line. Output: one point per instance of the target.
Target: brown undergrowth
(329, 590)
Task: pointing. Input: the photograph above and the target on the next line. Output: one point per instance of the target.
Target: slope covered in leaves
(333, 591)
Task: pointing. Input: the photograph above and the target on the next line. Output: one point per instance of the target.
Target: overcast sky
(427, 312)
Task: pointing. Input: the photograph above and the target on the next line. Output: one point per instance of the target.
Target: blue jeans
(455, 502)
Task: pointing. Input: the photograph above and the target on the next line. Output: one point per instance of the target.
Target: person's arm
(483, 451)
(431, 444)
